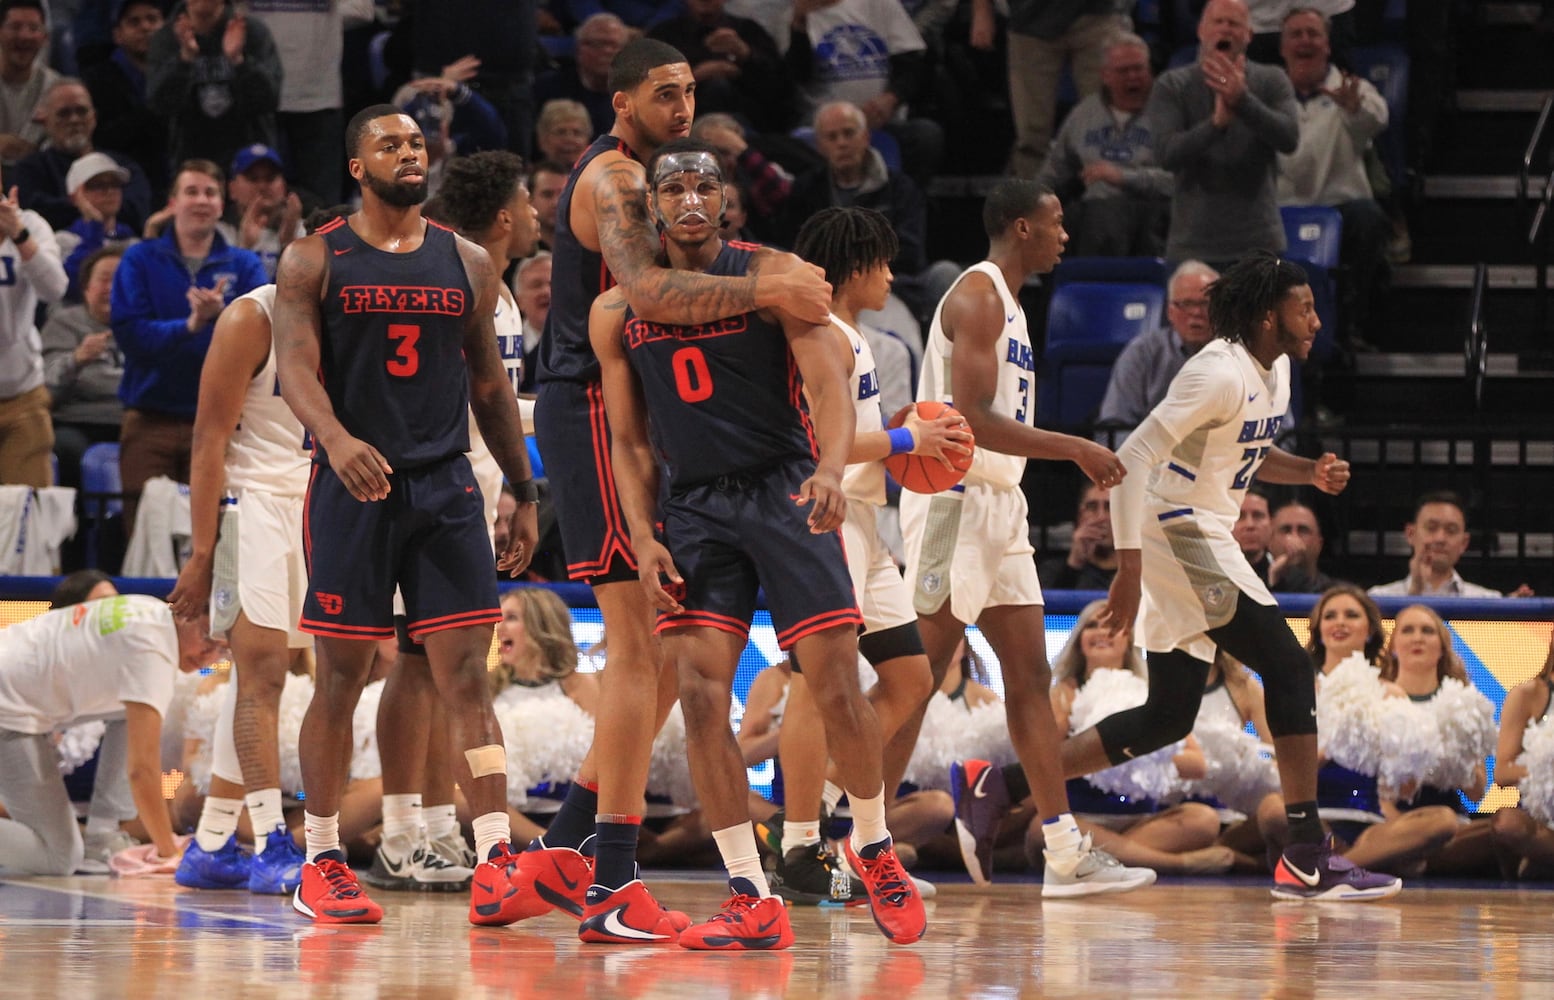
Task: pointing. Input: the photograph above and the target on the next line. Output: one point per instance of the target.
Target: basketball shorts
(428, 537)
(970, 545)
(574, 440)
(259, 568)
(1192, 573)
(884, 599)
(737, 534)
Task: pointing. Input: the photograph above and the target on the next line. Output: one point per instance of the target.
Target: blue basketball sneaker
(277, 870)
(226, 868)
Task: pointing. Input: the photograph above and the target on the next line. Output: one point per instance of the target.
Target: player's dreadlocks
(1248, 290)
(844, 241)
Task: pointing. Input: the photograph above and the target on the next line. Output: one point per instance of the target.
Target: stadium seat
(1386, 66)
(1088, 324)
(1313, 234)
(101, 494)
(1135, 270)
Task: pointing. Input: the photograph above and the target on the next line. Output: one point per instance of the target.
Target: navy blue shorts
(574, 440)
(739, 533)
(428, 538)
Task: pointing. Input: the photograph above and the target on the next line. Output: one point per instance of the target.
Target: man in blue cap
(262, 214)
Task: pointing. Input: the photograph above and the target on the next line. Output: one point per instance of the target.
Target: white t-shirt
(853, 41)
(84, 662)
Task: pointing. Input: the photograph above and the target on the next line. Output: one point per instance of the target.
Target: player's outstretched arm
(636, 469)
(630, 244)
(298, 324)
(495, 406)
(814, 351)
(238, 349)
(1330, 474)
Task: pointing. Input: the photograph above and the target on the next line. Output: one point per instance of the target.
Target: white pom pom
(1466, 721)
(1408, 744)
(175, 723)
(78, 743)
(365, 763)
(546, 737)
(1152, 776)
(199, 723)
(669, 769)
(1537, 789)
(1348, 731)
(952, 732)
(1241, 768)
(295, 698)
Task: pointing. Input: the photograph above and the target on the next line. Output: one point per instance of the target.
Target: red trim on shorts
(442, 623)
(617, 543)
(796, 398)
(818, 623)
(307, 534)
(703, 619)
(312, 627)
(592, 786)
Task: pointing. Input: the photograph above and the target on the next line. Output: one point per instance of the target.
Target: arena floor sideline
(102, 937)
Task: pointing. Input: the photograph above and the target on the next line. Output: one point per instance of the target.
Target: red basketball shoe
(746, 923)
(893, 897)
(330, 894)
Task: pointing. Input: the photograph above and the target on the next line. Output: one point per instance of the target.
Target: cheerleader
(1345, 646)
(1420, 660)
(1095, 675)
(1524, 758)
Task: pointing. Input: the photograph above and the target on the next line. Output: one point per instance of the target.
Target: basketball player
(248, 475)
(604, 235)
(724, 401)
(969, 557)
(1188, 465)
(386, 340)
(854, 246)
(484, 198)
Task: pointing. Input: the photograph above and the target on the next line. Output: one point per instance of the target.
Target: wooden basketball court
(102, 937)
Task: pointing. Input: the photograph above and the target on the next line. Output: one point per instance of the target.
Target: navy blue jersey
(577, 277)
(722, 397)
(392, 351)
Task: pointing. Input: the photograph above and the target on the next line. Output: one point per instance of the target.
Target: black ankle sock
(1305, 826)
(1014, 780)
(615, 853)
(574, 822)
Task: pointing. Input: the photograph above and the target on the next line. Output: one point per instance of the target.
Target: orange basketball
(923, 473)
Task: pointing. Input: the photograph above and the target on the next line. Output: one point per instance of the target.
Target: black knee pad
(1258, 636)
(892, 643)
(1176, 682)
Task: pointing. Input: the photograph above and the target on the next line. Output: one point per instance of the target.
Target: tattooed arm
(617, 217)
(298, 332)
(494, 405)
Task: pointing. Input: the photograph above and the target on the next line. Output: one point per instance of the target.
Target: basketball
(923, 473)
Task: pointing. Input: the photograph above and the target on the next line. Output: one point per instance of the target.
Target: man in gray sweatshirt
(1219, 124)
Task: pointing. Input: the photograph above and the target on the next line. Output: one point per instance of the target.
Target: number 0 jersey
(1016, 394)
(392, 350)
(722, 397)
(269, 452)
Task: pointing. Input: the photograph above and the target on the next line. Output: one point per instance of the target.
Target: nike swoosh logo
(570, 883)
(486, 886)
(1127, 752)
(1299, 815)
(763, 928)
(1252, 398)
(613, 924)
(497, 313)
(1009, 319)
(977, 790)
(858, 349)
(342, 253)
(1310, 880)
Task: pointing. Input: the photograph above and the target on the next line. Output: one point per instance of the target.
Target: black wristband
(22, 236)
(527, 491)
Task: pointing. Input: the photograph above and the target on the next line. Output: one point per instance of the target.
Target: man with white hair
(1145, 368)
(70, 124)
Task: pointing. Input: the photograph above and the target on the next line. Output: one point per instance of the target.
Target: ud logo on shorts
(330, 604)
(224, 598)
(930, 582)
(1214, 597)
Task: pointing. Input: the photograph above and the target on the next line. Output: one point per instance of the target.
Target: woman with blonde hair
(535, 647)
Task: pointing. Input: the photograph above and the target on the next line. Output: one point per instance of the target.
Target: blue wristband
(901, 440)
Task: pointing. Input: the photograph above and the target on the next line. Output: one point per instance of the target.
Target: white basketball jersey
(863, 480)
(1016, 394)
(269, 451)
(509, 341)
(1226, 410)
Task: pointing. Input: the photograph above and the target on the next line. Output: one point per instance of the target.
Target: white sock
(441, 821)
(830, 795)
(322, 833)
(868, 819)
(490, 830)
(402, 817)
(218, 821)
(800, 834)
(1061, 834)
(741, 858)
(264, 814)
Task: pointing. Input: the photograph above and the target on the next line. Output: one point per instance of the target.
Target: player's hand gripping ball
(927, 473)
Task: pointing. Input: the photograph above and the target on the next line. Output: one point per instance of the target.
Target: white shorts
(259, 567)
(882, 593)
(488, 476)
(1192, 572)
(972, 546)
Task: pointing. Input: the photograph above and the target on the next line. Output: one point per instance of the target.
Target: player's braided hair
(1248, 290)
(844, 241)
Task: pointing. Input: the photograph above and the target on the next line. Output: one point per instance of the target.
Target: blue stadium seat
(1088, 324)
(1386, 66)
(1137, 270)
(889, 148)
(1314, 233)
(101, 493)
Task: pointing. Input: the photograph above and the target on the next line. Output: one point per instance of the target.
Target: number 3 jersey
(1015, 396)
(269, 451)
(723, 397)
(392, 346)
